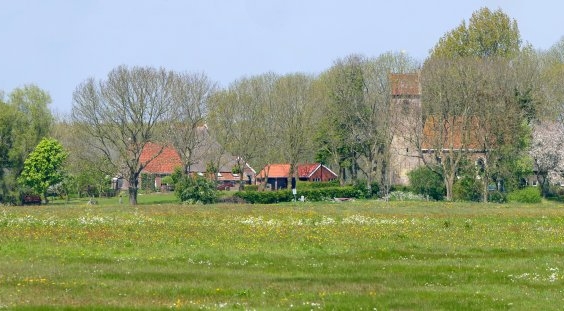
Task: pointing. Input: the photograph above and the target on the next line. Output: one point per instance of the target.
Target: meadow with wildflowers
(362, 255)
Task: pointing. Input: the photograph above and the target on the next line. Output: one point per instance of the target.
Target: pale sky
(57, 44)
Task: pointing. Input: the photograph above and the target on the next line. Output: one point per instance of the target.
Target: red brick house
(315, 172)
(165, 163)
(277, 175)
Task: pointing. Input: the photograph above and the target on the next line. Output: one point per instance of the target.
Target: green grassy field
(363, 255)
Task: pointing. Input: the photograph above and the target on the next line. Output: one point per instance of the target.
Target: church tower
(406, 125)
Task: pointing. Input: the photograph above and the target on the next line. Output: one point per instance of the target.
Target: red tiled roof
(164, 163)
(305, 170)
(405, 84)
(275, 171)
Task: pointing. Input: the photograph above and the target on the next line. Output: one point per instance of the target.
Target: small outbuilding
(277, 175)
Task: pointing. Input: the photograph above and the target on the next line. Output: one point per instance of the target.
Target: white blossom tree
(547, 151)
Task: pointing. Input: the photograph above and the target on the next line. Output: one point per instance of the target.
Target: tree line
(480, 83)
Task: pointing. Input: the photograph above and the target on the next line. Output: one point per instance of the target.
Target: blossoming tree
(547, 151)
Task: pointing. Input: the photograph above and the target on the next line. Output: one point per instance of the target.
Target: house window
(534, 183)
(481, 165)
(317, 179)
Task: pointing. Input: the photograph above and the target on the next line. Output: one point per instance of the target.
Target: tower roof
(405, 84)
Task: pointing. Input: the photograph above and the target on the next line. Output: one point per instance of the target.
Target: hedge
(265, 197)
(307, 185)
(321, 194)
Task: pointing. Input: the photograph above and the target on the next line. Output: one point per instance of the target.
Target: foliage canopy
(43, 167)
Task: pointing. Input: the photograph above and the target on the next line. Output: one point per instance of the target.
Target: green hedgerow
(321, 194)
(525, 195)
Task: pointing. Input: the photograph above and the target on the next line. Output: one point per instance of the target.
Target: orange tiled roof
(165, 163)
(275, 171)
(283, 170)
(405, 84)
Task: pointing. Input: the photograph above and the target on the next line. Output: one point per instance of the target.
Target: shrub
(148, 182)
(467, 189)
(426, 182)
(404, 196)
(497, 197)
(167, 180)
(10, 198)
(555, 192)
(360, 186)
(402, 188)
(525, 195)
(250, 187)
(195, 190)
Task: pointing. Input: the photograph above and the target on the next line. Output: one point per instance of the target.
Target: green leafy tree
(43, 167)
(489, 33)
(482, 88)
(7, 125)
(24, 120)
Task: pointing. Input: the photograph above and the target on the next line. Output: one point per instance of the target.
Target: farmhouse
(277, 175)
(168, 160)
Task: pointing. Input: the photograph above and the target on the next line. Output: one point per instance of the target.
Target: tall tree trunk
(187, 169)
(46, 197)
(371, 167)
(133, 188)
(485, 181)
(449, 183)
(241, 175)
(542, 181)
(385, 180)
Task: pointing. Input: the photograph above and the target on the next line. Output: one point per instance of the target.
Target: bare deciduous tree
(122, 114)
(239, 120)
(447, 139)
(362, 111)
(295, 110)
(474, 112)
(187, 129)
